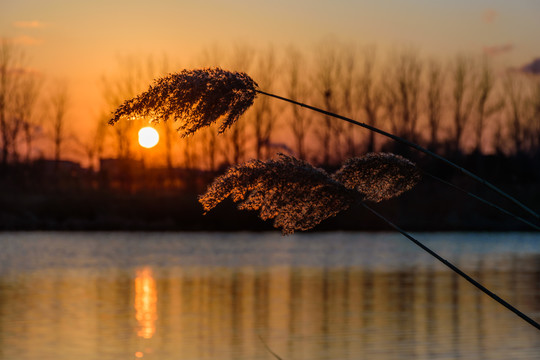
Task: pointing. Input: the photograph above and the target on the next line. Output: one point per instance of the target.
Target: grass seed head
(378, 176)
(299, 196)
(194, 98)
(295, 194)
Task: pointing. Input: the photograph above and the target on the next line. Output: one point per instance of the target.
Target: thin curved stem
(268, 348)
(455, 269)
(410, 144)
(489, 203)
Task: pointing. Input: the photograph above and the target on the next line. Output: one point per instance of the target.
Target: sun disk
(148, 137)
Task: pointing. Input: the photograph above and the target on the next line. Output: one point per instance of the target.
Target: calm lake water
(229, 296)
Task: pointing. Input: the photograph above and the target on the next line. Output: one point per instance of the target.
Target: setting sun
(148, 137)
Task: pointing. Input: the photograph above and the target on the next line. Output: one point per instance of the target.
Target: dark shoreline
(95, 211)
(35, 199)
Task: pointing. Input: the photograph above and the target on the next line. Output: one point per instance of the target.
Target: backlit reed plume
(197, 98)
(299, 196)
(194, 98)
(290, 191)
(378, 176)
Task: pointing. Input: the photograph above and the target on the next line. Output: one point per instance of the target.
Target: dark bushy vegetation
(34, 198)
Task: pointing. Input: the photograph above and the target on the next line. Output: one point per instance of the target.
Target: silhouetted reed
(455, 269)
(197, 98)
(295, 194)
(378, 176)
(299, 196)
(194, 98)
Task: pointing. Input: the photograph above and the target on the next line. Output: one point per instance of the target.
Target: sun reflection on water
(145, 303)
(319, 296)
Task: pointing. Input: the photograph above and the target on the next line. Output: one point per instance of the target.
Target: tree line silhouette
(460, 106)
(463, 108)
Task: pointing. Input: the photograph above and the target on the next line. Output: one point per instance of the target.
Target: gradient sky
(79, 41)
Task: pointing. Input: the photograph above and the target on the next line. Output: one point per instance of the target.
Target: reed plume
(299, 196)
(194, 98)
(197, 98)
(378, 176)
(295, 194)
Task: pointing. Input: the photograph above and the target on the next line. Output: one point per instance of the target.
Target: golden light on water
(145, 303)
(384, 301)
(148, 137)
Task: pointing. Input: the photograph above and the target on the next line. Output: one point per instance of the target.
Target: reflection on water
(201, 296)
(145, 302)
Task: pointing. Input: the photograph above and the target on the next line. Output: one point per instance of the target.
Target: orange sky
(79, 42)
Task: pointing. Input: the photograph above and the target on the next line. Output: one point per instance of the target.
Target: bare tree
(188, 152)
(434, 106)
(234, 140)
(230, 147)
(26, 100)
(462, 96)
(484, 107)
(516, 101)
(532, 137)
(347, 105)
(132, 77)
(296, 89)
(327, 72)
(369, 95)
(237, 143)
(169, 136)
(93, 145)
(389, 100)
(209, 142)
(11, 60)
(263, 112)
(6, 62)
(405, 78)
(498, 140)
(523, 111)
(59, 107)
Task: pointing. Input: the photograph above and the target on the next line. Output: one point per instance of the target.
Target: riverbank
(150, 200)
(422, 209)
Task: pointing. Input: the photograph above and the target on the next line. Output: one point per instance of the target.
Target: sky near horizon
(64, 34)
(81, 40)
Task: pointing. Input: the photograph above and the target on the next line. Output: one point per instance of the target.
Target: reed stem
(455, 269)
(489, 203)
(410, 144)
